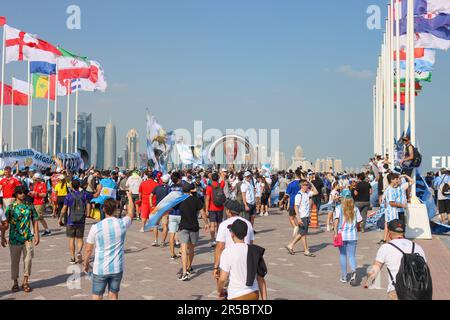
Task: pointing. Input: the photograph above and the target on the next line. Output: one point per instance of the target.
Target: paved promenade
(150, 275)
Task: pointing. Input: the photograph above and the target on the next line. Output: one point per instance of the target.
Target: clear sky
(304, 67)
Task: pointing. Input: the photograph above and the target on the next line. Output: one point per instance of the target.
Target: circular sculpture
(230, 144)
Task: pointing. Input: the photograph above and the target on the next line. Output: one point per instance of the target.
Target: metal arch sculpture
(249, 150)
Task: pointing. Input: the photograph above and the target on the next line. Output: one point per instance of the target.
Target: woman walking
(347, 216)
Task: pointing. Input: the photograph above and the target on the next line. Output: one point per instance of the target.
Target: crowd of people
(225, 199)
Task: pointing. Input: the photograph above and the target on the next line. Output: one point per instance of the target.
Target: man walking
(74, 212)
(158, 194)
(248, 197)
(108, 237)
(214, 205)
(21, 217)
(39, 193)
(303, 205)
(362, 193)
(8, 185)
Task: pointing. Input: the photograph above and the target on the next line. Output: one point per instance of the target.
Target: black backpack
(417, 162)
(413, 281)
(445, 188)
(78, 208)
(218, 196)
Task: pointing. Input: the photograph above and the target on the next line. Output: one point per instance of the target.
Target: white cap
(37, 176)
(58, 170)
(247, 174)
(224, 170)
(165, 178)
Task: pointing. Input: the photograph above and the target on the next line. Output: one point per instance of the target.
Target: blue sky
(304, 67)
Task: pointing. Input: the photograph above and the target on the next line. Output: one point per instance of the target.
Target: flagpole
(47, 149)
(375, 119)
(12, 115)
(55, 110)
(2, 98)
(380, 109)
(391, 84)
(68, 117)
(398, 76)
(386, 99)
(76, 117)
(29, 108)
(412, 83)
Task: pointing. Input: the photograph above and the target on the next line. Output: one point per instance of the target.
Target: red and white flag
(2, 21)
(22, 46)
(7, 95)
(21, 91)
(96, 81)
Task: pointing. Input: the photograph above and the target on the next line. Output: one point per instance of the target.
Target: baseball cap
(234, 206)
(397, 226)
(247, 174)
(346, 194)
(37, 176)
(165, 178)
(224, 170)
(239, 228)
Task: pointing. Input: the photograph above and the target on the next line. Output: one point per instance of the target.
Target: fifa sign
(440, 162)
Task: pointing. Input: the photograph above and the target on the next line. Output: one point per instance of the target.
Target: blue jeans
(99, 283)
(347, 250)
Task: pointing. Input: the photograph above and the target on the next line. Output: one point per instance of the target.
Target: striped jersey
(391, 195)
(402, 197)
(108, 236)
(348, 229)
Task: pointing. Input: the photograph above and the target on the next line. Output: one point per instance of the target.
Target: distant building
(37, 134)
(110, 146)
(120, 161)
(100, 157)
(299, 160)
(84, 132)
(279, 161)
(132, 154)
(58, 132)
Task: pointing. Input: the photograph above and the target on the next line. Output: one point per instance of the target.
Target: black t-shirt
(189, 209)
(318, 183)
(363, 189)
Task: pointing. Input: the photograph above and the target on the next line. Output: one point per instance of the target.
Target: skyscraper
(110, 146)
(37, 133)
(132, 149)
(100, 147)
(84, 132)
(58, 132)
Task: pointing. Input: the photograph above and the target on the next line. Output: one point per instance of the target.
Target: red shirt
(8, 187)
(38, 189)
(209, 193)
(145, 189)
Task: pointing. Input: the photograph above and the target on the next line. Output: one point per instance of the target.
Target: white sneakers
(266, 214)
(262, 214)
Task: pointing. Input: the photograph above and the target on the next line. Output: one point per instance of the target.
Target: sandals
(15, 288)
(309, 254)
(26, 288)
(291, 252)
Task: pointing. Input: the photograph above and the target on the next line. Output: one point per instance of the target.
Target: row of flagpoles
(414, 30)
(52, 72)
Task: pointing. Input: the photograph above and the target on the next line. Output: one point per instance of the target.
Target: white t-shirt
(392, 257)
(234, 261)
(2, 215)
(303, 203)
(224, 234)
(249, 192)
(133, 184)
(258, 188)
(333, 193)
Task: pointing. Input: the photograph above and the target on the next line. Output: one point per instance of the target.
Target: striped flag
(170, 201)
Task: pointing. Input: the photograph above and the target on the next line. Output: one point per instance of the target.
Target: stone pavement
(150, 275)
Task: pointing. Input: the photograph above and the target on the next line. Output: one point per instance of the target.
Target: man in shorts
(248, 197)
(39, 193)
(158, 194)
(75, 229)
(291, 192)
(215, 213)
(189, 229)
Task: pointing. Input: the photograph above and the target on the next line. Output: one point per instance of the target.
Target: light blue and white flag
(170, 201)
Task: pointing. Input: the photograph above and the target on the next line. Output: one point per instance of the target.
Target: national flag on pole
(21, 91)
(42, 67)
(403, 89)
(422, 7)
(426, 40)
(436, 24)
(419, 76)
(72, 66)
(7, 96)
(42, 84)
(22, 46)
(418, 53)
(96, 81)
(2, 21)
(425, 63)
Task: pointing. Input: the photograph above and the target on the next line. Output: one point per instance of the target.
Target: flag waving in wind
(21, 91)
(71, 66)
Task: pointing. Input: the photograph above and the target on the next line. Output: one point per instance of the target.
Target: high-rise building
(100, 148)
(110, 146)
(84, 132)
(120, 163)
(58, 132)
(132, 149)
(37, 133)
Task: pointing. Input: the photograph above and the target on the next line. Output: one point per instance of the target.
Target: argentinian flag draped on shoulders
(170, 201)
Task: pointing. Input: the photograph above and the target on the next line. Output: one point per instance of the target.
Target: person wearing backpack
(409, 275)
(412, 158)
(442, 186)
(214, 205)
(74, 213)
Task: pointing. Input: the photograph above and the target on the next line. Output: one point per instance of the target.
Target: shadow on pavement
(130, 251)
(43, 283)
(317, 248)
(361, 273)
(264, 231)
(201, 269)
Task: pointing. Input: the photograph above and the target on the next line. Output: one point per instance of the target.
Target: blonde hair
(348, 209)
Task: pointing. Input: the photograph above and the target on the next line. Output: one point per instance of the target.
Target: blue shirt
(292, 190)
(69, 201)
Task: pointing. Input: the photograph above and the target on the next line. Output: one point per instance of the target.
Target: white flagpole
(386, 96)
(48, 117)
(29, 106)
(2, 98)
(391, 84)
(375, 124)
(68, 116)
(55, 118)
(412, 83)
(380, 109)
(398, 77)
(12, 115)
(76, 117)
